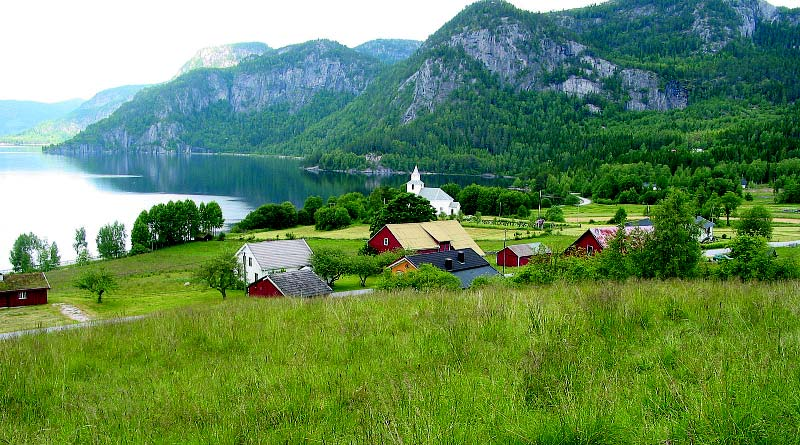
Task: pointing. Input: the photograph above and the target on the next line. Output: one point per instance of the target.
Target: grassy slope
(650, 362)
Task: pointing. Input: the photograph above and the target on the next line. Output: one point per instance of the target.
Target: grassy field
(602, 363)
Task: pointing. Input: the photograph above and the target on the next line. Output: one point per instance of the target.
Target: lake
(52, 195)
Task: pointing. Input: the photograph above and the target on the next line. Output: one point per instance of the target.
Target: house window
(23, 295)
(386, 241)
(249, 262)
(590, 250)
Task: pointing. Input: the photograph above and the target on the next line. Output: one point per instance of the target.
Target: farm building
(465, 264)
(433, 236)
(296, 283)
(23, 289)
(520, 254)
(260, 259)
(596, 239)
(706, 229)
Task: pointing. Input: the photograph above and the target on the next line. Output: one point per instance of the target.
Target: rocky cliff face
(289, 78)
(224, 56)
(389, 51)
(529, 60)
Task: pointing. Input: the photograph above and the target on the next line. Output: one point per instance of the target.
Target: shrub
(427, 277)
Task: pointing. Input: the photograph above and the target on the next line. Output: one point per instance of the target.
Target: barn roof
(24, 281)
(525, 250)
(299, 283)
(704, 223)
(474, 265)
(281, 254)
(428, 235)
(604, 235)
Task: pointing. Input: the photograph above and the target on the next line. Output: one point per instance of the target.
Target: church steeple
(415, 185)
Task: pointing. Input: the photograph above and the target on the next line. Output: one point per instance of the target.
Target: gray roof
(473, 266)
(435, 194)
(281, 254)
(467, 276)
(704, 223)
(299, 283)
(523, 250)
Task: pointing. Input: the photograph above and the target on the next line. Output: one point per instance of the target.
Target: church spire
(415, 185)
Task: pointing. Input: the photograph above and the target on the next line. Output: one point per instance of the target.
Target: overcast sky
(54, 50)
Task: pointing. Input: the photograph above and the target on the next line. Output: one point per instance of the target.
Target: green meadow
(676, 362)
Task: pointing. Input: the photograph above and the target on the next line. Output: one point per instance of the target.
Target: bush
(427, 277)
(332, 218)
(554, 214)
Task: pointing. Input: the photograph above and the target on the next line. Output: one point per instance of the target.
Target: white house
(440, 201)
(260, 259)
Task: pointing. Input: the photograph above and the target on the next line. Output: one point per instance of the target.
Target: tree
(404, 208)
(48, 256)
(673, 250)
(331, 218)
(96, 281)
(757, 221)
(554, 214)
(141, 238)
(427, 277)
(212, 220)
(730, 202)
(23, 251)
(330, 264)
(111, 240)
(81, 246)
(620, 217)
(221, 273)
(364, 266)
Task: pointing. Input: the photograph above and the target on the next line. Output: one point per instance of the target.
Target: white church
(440, 201)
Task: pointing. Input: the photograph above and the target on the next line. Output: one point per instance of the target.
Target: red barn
(295, 283)
(520, 254)
(596, 239)
(23, 289)
(427, 237)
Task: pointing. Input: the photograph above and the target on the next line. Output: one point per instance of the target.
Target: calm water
(52, 195)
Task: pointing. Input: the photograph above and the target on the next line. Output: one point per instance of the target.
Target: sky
(54, 50)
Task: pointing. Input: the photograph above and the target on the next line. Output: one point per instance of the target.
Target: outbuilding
(295, 283)
(465, 264)
(596, 239)
(520, 254)
(23, 289)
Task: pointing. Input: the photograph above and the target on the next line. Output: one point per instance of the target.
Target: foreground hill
(504, 90)
(644, 362)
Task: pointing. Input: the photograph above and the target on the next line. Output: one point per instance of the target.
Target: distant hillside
(555, 96)
(17, 116)
(389, 50)
(224, 56)
(98, 107)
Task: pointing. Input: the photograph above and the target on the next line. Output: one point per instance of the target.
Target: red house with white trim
(23, 289)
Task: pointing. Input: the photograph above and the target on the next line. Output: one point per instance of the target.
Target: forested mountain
(559, 98)
(389, 50)
(17, 116)
(224, 56)
(98, 107)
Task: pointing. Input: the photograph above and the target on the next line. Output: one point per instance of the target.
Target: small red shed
(596, 239)
(518, 255)
(295, 283)
(23, 289)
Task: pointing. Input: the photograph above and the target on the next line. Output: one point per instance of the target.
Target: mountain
(389, 51)
(497, 89)
(98, 107)
(16, 116)
(261, 101)
(224, 56)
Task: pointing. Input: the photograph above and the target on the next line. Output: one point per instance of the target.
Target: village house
(518, 255)
(443, 203)
(432, 236)
(706, 229)
(465, 264)
(297, 283)
(23, 289)
(260, 259)
(596, 239)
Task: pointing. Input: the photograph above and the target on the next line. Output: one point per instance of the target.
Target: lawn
(675, 362)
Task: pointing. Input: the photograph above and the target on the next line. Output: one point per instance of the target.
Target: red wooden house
(596, 239)
(23, 289)
(520, 254)
(427, 237)
(295, 283)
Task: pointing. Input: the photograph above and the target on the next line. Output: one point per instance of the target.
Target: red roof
(604, 235)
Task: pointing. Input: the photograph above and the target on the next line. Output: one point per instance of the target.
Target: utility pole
(505, 231)
(540, 204)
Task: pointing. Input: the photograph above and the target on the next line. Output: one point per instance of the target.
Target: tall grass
(642, 362)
